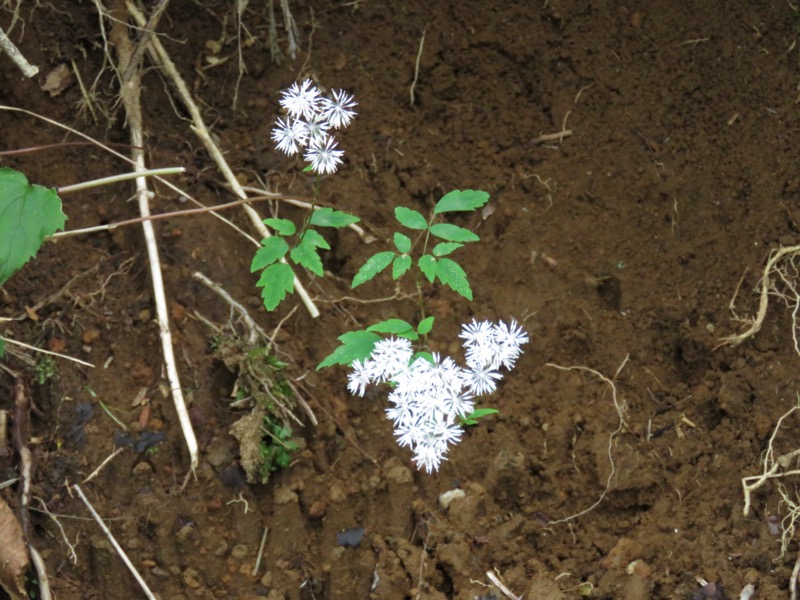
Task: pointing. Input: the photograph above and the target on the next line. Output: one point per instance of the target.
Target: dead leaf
(13, 554)
(58, 80)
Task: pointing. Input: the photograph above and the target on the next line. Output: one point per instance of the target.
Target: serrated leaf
(477, 414)
(425, 326)
(461, 200)
(277, 280)
(400, 266)
(410, 218)
(424, 355)
(453, 233)
(281, 226)
(2, 347)
(327, 217)
(451, 274)
(272, 250)
(394, 326)
(28, 214)
(372, 267)
(356, 345)
(402, 242)
(446, 248)
(313, 237)
(427, 264)
(305, 255)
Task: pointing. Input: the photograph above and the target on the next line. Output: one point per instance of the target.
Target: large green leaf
(453, 233)
(450, 273)
(281, 226)
(28, 214)
(395, 326)
(461, 200)
(272, 250)
(400, 266)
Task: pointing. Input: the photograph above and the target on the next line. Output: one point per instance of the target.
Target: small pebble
(142, 468)
(317, 509)
(239, 551)
(447, 497)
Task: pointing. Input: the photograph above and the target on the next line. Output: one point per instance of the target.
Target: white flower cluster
(308, 124)
(429, 399)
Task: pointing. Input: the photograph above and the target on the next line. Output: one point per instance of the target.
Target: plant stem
(116, 178)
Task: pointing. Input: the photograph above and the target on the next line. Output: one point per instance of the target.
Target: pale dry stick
(793, 580)
(253, 328)
(770, 464)
(131, 98)
(161, 58)
(102, 465)
(763, 303)
(41, 573)
(416, 67)
(501, 586)
(260, 551)
(365, 237)
(84, 185)
(551, 137)
(7, 46)
(73, 556)
(114, 543)
(43, 351)
(621, 412)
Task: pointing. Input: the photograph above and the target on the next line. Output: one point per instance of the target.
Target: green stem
(116, 178)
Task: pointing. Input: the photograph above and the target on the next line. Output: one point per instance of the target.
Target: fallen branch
(7, 46)
(131, 98)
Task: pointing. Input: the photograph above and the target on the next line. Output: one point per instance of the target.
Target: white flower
(358, 379)
(482, 380)
(390, 357)
(326, 158)
(508, 339)
(428, 457)
(289, 135)
(317, 131)
(337, 110)
(477, 333)
(301, 100)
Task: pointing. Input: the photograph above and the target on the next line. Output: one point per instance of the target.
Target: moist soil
(629, 247)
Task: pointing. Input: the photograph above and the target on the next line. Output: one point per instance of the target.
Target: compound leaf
(28, 214)
(356, 345)
(427, 264)
(281, 226)
(372, 267)
(410, 218)
(451, 274)
(327, 217)
(402, 243)
(272, 250)
(400, 266)
(446, 248)
(276, 280)
(461, 200)
(453, 233)
(313, 237)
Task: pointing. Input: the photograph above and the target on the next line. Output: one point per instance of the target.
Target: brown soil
(620, 248)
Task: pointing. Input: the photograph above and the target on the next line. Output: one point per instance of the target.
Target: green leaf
(453, 233)
(356, 345)
(458, 200)
(394, 326)
(281, 226)
(477, 414)
(410, 218)
(450, 273)
(422, 354)
(276, 280)
(427, 264)
(425, 326)
(313, 237)
(327, 217)
(28, 214)
(400, 266)
(272, 250)
(402, 243)
(2, 347)
(446, 248)
(372, 267)
(305, 255)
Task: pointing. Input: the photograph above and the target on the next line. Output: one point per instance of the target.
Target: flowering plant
(432, 397)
